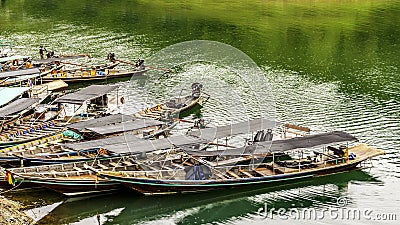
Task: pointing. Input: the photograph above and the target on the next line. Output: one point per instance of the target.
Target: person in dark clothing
(111, 56)
(41, 51)
(50, 54)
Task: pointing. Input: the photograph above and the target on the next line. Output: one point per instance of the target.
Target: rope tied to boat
(13, 188)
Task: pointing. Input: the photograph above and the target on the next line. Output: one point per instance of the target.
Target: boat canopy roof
(10, 93)
(88, 93)
(234, 129)
(129, 144)
(308, 141)
(102, 121)
(17, 106)
(280, 145)
(14, 57)
(17, 73)
(143, 146)
(125, 126)
(101, 143)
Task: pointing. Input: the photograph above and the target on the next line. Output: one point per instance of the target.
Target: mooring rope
(11, 189)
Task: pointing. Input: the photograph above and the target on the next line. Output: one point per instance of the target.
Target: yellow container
(85, 73)
(93, 72)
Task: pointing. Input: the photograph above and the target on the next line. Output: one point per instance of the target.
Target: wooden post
(273, 162)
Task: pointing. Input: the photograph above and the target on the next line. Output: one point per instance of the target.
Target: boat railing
(42, 174)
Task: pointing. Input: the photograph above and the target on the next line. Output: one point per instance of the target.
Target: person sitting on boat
(15, 62)
(140, 64)
(41, 51)
(50, 54)
(111, 56)
(28, 64)
(101, 73)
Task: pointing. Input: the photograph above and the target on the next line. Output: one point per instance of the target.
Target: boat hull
(95, 78)
(78, 187)
(150, 187)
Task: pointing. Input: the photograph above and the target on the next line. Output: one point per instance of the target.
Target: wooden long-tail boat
(176, 165)
(176, 105)
(27, 131)
(89, 149)
(72, 179)
(96, 73)
(75, 178)
(207, 170)
(203, 177)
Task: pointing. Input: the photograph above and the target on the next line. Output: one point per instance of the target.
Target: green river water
(329, 65)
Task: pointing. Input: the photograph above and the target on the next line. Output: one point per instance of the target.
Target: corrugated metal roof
(17, 73)
(17, 106)
(8, 94)
(126, 126)
(87, 93)
(111, 119)
(235, 129)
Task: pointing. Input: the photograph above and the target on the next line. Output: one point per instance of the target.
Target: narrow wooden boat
(175, 106)
(207, 170)
(93, 74)
(201, 177)
(28, 131)
(12, 156)
(73, 179)
(55, 152)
